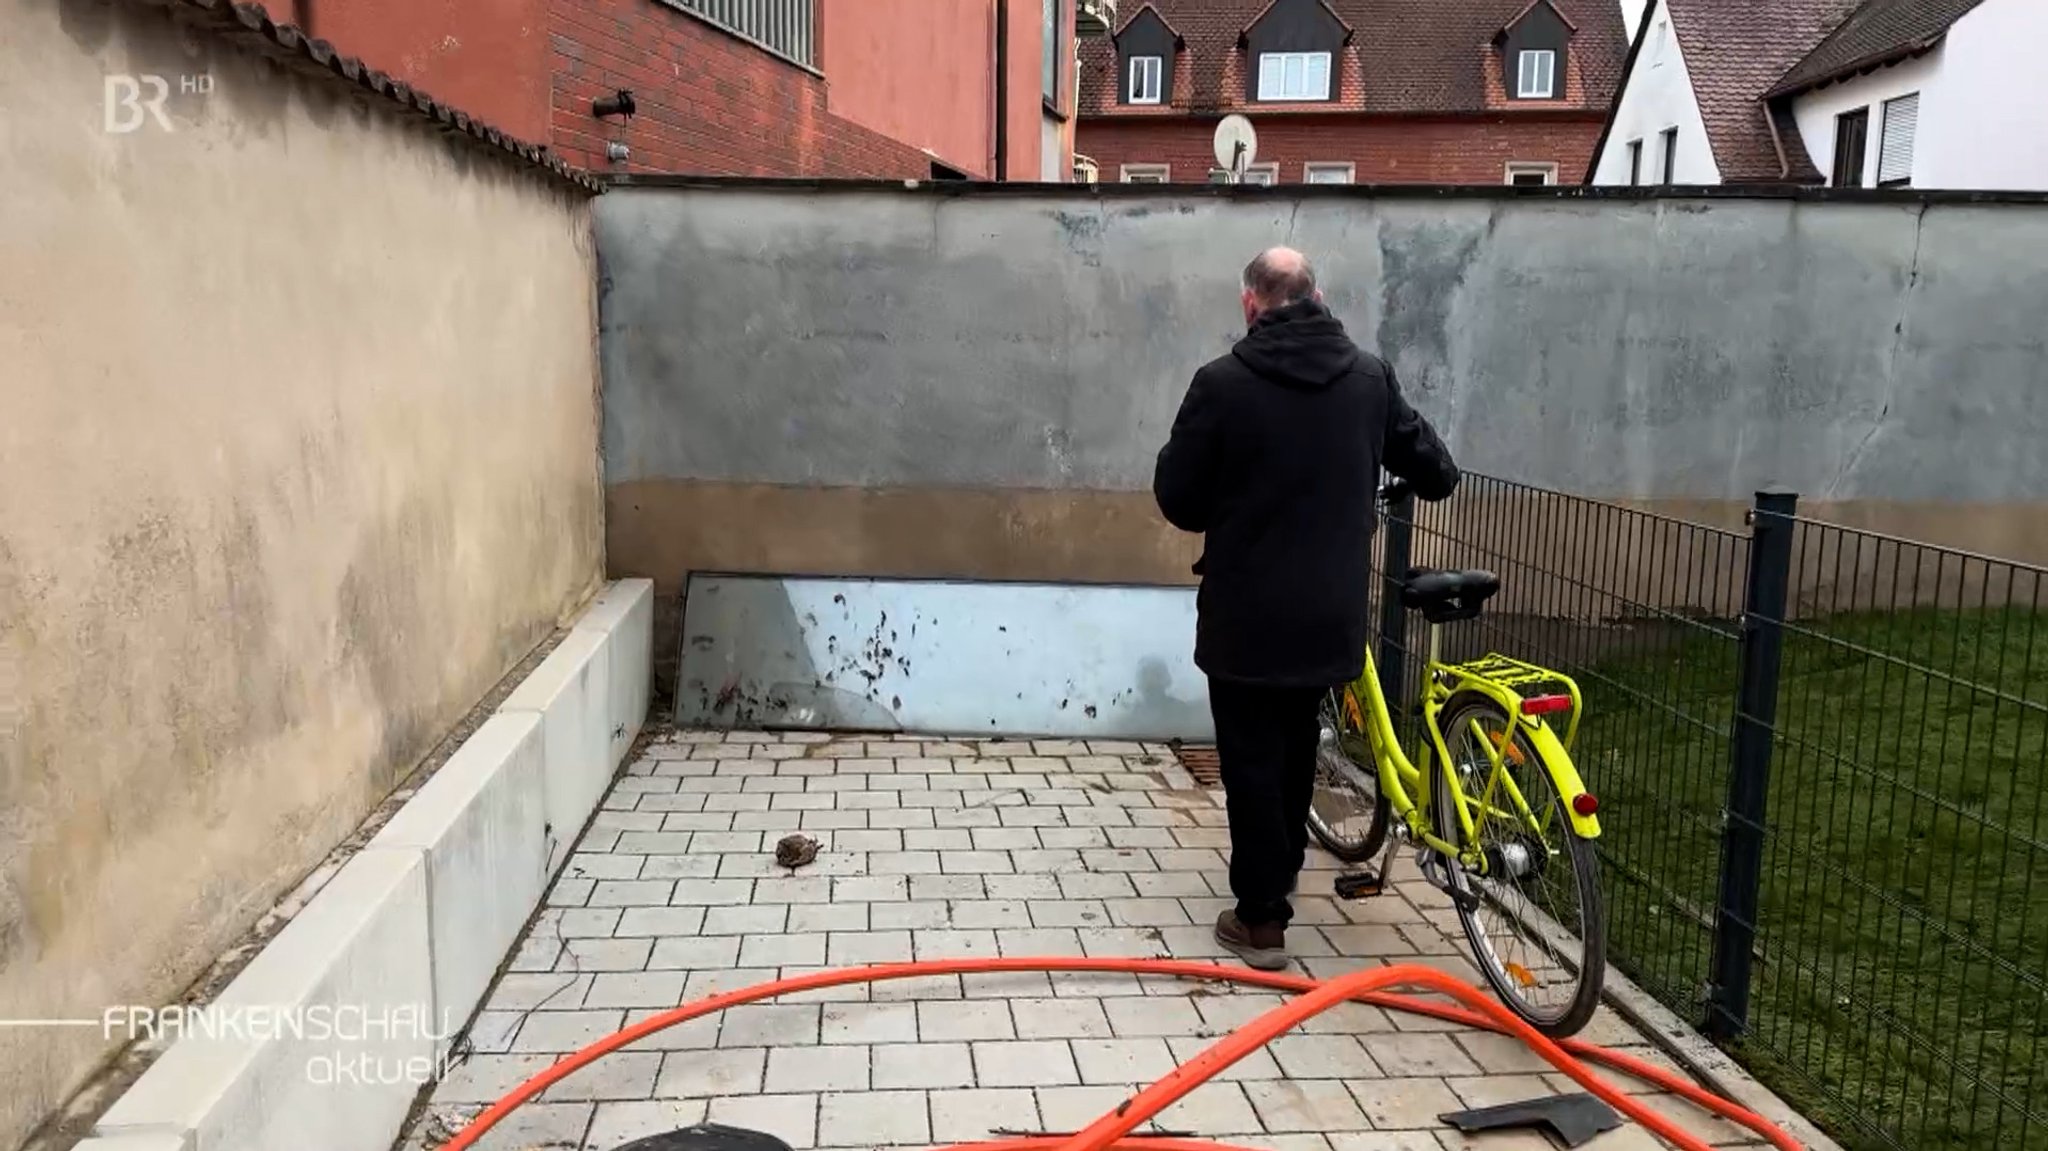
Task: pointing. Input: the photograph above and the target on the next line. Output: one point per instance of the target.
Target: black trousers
(1266, 739)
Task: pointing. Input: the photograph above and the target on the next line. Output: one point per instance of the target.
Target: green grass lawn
(1904, 923)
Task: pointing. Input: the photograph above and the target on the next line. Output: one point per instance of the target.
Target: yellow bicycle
(1505, 827)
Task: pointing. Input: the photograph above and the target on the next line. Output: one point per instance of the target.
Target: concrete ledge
(325, 1038)
(625, 611)
(322, 1041)
(1716, 1070)
(481, 824)
(570, 692)
(136, 1143)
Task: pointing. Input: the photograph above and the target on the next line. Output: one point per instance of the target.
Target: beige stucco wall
(298, 456)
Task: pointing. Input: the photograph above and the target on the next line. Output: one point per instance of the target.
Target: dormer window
(1291, 52)
(1294, 76)
(1535, 53)
(1145, 80)
(1535, 74)
(1145, 51)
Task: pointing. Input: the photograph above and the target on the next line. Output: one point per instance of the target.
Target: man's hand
(1414, 452)
(1184, 478)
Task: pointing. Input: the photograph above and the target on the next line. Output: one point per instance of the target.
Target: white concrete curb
(1698, 1055)
(325, 1039)
(135, 1143)
(481, 824)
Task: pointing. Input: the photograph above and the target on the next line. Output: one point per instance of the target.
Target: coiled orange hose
(1112, 1131)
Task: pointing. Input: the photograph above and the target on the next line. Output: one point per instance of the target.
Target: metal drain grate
(1202, 764)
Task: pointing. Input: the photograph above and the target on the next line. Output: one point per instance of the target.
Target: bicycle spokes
(1527, 910)
(1346, 812)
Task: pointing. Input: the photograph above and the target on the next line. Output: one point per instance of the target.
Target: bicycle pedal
(1359, 885)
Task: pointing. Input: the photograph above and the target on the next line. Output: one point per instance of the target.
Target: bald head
(1278, 277)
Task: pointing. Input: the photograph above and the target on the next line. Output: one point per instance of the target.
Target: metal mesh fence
(1903, 913)
(1820, 755)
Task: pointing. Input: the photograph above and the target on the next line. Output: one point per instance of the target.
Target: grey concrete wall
(1693, 349)
(298, 457)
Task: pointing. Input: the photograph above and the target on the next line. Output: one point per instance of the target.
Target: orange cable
(1111, 1132)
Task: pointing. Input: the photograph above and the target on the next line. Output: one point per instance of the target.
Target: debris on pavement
(794, 851)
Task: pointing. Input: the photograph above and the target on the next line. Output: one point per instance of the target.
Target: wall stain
(89, 23)
(1082, 233)
(17, 649)
(381, 616)
(254, 98)
(1157, 709)
(1422, 268)
(155, 674)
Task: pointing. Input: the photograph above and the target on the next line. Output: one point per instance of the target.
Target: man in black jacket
(1275, 458)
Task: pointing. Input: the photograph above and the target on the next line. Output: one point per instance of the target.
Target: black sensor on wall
(619, 104)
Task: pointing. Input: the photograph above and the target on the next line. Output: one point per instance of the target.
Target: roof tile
(249, 24)
(1405, 56)
(1877, 30)
(1735, 50)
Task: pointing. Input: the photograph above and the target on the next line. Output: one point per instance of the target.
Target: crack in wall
(1891, 365)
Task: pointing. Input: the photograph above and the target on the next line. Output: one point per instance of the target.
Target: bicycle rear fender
(1558, 762)
(1544, 741)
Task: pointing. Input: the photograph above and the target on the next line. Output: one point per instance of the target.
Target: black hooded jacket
(1275, 457)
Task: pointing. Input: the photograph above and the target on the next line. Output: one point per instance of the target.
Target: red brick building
(1353, 91)
(854, 88)
(821, 88)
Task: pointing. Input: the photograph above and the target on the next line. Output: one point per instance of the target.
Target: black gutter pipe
(1002, 164)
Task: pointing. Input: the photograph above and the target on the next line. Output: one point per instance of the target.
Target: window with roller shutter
(1895, 151)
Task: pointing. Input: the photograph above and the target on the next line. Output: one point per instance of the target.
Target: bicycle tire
(1349, 849)
(1592, 965)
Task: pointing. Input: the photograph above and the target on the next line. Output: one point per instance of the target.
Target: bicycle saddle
(1444, 596)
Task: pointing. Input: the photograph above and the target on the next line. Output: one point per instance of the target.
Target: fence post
(1756, 716)
(1399, 529)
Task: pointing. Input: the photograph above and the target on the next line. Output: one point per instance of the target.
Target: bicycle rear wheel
(1535, 921)
(1347, 815)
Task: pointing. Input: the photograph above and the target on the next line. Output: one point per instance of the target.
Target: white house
(1846, 93)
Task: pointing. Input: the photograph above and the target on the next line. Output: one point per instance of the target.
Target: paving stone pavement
(945, 849)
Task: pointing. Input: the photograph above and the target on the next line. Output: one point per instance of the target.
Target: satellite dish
(1236, 144)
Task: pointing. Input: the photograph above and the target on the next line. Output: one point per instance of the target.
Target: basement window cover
(1895, 155)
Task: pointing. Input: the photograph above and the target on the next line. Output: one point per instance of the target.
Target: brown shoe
(1263, 948)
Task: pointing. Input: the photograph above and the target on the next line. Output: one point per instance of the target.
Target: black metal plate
(708, 1137)
(1574, 1118)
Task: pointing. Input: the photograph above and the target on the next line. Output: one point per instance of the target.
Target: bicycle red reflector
(1545, 704)
(1585, 804)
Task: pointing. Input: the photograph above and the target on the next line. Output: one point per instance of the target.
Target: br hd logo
(132, 101)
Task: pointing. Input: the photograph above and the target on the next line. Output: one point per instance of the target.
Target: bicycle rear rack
(1527, 679)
